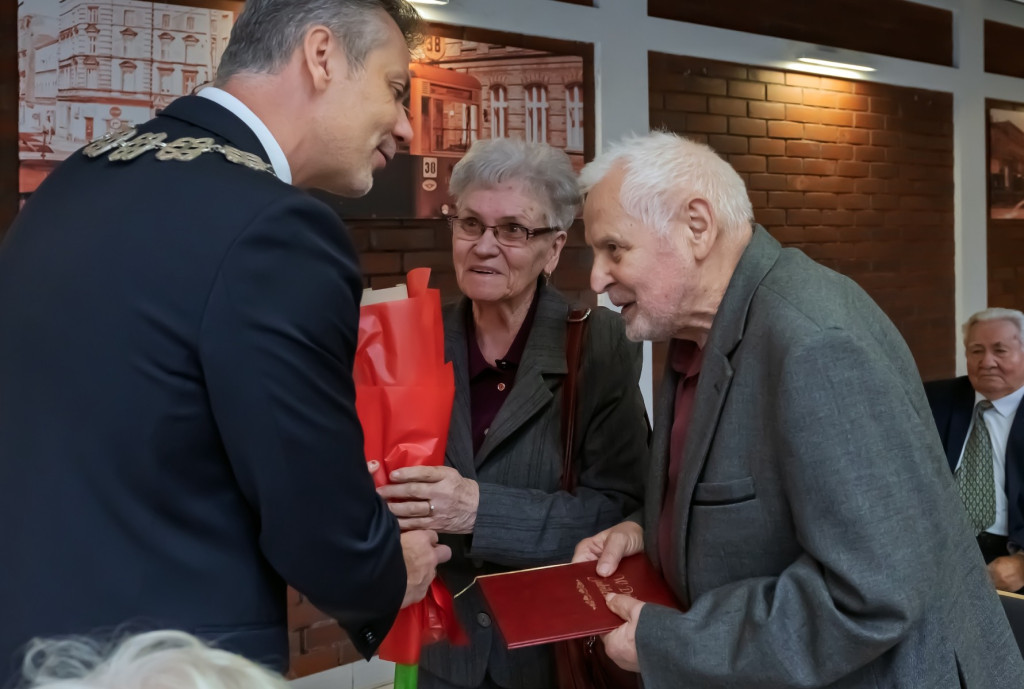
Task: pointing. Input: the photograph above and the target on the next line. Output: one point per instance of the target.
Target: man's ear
(320, 56)
(703, 231)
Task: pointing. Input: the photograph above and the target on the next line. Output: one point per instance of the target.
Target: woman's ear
(556, 252)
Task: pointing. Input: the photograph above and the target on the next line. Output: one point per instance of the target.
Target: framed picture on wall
(470, 84)
(86, 67)
(1006, 163)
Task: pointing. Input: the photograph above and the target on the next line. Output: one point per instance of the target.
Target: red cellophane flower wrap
(404, 393)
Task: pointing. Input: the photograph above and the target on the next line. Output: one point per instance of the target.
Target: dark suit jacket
(524, 520)
(952, 403)
(807, 543)
(177, 414)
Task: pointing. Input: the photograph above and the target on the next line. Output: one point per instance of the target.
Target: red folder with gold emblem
(548, 604)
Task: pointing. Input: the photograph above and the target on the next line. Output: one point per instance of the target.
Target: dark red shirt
(685, 357)
(491, 382)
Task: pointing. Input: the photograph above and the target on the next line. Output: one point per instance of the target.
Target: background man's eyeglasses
(506, 234)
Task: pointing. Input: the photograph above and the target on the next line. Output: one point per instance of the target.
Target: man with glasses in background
(982, 431)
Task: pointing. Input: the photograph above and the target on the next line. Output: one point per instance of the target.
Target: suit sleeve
(277, 344)
(521, 526)
(859, 464)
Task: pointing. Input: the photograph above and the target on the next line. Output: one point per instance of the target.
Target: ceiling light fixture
(824, 71)
(832, 64)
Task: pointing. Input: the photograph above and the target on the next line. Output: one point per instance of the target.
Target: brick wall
(899, 28)
(316, 642)
(858, 175)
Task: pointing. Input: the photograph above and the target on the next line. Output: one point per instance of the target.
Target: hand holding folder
(548, 604)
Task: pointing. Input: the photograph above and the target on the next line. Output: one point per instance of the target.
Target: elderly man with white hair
(983, 436)
(796, 490)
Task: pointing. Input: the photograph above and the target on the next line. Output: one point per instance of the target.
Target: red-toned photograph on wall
(87, 67)
(1006, 163)
(470, 84)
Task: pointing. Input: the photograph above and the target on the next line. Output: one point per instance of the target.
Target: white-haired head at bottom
(151, 660)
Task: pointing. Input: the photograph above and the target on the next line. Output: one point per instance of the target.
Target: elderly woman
(498, 501)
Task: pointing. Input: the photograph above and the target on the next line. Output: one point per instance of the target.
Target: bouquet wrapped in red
(404, 393)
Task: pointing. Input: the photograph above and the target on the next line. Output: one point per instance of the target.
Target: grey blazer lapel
(542, 365)
(459, 451)
(716, 375)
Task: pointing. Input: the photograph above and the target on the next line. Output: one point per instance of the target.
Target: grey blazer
(524, 520)
(819, 537)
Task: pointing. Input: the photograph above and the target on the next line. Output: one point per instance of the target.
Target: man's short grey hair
(268, 32)
(153, 660)
(997, 314)
(545, 172)
(662, 170)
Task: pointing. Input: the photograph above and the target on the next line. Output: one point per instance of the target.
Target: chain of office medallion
(123, 145)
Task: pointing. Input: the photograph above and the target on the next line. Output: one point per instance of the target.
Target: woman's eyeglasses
(507, 234)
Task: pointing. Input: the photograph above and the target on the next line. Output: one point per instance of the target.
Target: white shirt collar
(1006, 406)
(237, 107)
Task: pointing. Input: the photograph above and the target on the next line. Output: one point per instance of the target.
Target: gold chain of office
(127, 144)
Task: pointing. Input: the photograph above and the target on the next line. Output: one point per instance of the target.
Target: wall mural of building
(87, 67)
(525, 93)
(465, 90)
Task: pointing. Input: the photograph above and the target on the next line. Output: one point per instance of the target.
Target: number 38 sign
(433, 47)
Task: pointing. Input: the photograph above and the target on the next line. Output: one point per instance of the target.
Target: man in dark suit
(991, 391)
(178, 430)
(795, 473)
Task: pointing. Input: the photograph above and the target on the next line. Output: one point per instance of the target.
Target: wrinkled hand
(422, 555)
(1007, 572)
(413, 490)
(610, 546)
(620, 643)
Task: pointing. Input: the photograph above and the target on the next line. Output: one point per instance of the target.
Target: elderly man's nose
(599, 278)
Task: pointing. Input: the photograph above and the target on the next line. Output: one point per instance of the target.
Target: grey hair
(996, 314)
(659, 168)
(268, 32)
(154, 660)
(545, 171)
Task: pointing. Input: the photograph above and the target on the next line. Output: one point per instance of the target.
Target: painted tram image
(462, 91)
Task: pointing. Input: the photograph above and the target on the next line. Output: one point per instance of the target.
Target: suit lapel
(1014, 475)
(218, 120)
(959, 421)
(542, 366)
(459, 451)
(1015, 441)
(716, 377)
